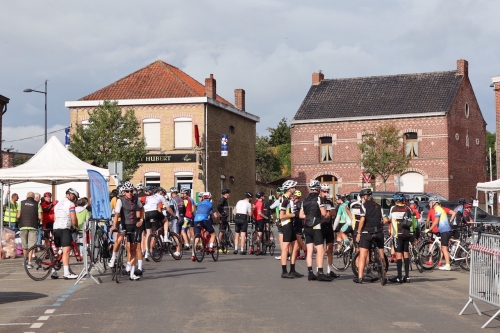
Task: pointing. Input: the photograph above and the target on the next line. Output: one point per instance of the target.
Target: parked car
(481, 216)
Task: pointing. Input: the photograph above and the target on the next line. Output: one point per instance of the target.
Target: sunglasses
(325, 191)
(127, 191)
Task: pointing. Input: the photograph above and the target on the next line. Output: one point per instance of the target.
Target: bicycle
(202, 246)
(254, 242)
(343, 257)
(44, 259)
(227, 240)
(118, 268)
(415, 258)
(268, 240)
(430, 252)
(158, 243)
(375, 263)
(101, 241)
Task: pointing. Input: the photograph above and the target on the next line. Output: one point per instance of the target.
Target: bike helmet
(147, 188)
(127, 186)
(225, 191)
(279, 190)
(174, 190)
(434, 199)
(398, 196)
(325, 187)
(139, 187)
(113, 193)
(298, 193)
(72, 191)
(184, 191)
(314, 185)
(160, 189)
(365, 191)
(461, 201)
(47, 194)
(248, 195)
(289, 184)
(207, 195)
(259, 194)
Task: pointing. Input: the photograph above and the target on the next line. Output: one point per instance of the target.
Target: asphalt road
(236, 294)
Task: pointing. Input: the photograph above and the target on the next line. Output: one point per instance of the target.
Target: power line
(35, 136)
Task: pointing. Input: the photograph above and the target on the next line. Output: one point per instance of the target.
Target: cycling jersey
(189, 208)
(396, 215)
(153, 201)
(243, 207)
(128, 209)
(356, 212)
(287, 207)
(62, 214)
(177, 205)
(223, 207)
(258, 206)
(205, 208)
(373, 217)
(444, 224)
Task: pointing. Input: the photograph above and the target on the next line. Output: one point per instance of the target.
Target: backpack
(406, 222)
(266, 207)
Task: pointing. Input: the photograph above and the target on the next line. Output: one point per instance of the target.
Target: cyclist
(202, 219)
(313, 209)
(259, 217)
(355, 208)
(65, 219)
(223, 210)
(343, 221)
(327, 228)
(48, 215)
(242, 214)
(397, 215)
(153, 211)
(459, 213)
(441, 221)
(141, 193)
(467, 218)
(289, 244)
(130, 209)
(369, 229)
(298, 224)
(178, 208)
(276, 205)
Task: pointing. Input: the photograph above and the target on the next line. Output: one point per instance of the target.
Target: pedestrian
(29, 214)
(10, 210)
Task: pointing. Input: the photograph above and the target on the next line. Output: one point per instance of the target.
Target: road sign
(366, 176)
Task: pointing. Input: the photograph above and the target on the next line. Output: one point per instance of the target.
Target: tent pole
(8, 204)
(1, 220)
(475, 208)
(53, 191)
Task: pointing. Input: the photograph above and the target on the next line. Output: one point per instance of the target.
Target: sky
(270, 48)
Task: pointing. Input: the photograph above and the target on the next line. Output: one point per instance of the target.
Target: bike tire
(272, 247)
(348, 258)
(157, 253)
(464, 264)
(95, 255)
(416, 260)
(40, 263)
(199, 248)
(119, 265)
(230, 238)
(381, 270)
(338, 261)
(172, 247)
(354, 267)
(424, 254)
(215, 254)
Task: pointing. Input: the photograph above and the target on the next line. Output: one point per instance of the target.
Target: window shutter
(152, 135)
(183, 134)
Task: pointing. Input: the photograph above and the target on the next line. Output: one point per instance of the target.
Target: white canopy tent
(53, 164)
(493, 186)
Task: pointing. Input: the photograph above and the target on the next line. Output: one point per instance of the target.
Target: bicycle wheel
(156, 250)
(354, 266)
(199, 248)
(429, 255)
(96, 253)
(75, 259)
(175, 241)
(465, 258)
(348, 257)
(415, 258)
(215, 254)
(339, 259)
(119, 265)
(381, 270)
(230, 238)
(41, 260)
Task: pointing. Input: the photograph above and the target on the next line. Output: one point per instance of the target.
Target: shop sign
(169, 158)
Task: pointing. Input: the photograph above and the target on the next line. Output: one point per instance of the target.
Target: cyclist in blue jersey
(202, 218)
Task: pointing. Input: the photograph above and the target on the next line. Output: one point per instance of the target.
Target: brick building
(169, 104)
(3, 108)
(438, 116)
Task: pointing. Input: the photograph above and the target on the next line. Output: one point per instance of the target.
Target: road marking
(60, 300)
(50, 311)
(15, 324)
(56, 304)
(36, 325)
(43, 317)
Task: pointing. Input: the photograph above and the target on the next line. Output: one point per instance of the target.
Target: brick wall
(497, 126)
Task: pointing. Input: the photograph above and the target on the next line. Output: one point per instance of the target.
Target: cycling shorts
(206, 224)
(297, 226)
(313, 236)
(49, 227)
(154, 215)
(62, 237)
(445, 238)
(259, 225)
(288, 233)
(365, 240)
(223, 223)
(241, 223)
(136, 235)
(187, 224)
(346, 228)
(327, 231)
(402, 244)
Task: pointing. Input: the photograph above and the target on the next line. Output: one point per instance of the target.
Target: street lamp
(45, 93)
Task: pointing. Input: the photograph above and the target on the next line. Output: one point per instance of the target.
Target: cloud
(31, 110)
(32, 137)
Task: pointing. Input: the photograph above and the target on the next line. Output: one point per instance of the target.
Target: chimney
(210, 87)
(463, 67)
(7, 159)
(239, 99)
(318, 77)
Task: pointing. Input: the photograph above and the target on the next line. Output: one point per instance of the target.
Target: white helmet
(139, 187)
(207, 195)
(314, 185)
(127, 186)
(324, 187)
(289, 184)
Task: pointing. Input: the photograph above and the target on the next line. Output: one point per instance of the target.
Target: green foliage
(111, 136)
(284, 153)
(267, 164)
(491, 143)
(280, 135)
(383, 153)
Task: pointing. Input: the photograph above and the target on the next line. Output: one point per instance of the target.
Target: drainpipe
(206, 147)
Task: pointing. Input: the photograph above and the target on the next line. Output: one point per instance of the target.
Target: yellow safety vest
(10, 215)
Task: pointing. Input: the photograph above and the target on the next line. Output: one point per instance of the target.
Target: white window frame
(85, 124)
(156, 144)
(151, 174)
(179, 144)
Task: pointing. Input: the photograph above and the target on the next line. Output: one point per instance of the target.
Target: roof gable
(380, 96)
(157, 80)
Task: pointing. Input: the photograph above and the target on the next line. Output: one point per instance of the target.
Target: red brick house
(441, 126)
(3, 108)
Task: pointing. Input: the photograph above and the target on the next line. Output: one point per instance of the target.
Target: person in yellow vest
(10, 213)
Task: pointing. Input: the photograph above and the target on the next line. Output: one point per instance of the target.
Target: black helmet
(225, 191)
(259, 194)
(248, 195)
(461, 201)
(365, 191)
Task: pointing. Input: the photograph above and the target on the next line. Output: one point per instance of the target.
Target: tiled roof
(157, 80)
(380, 96)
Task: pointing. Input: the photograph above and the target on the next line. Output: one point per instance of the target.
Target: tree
(491, 143)
(111, 136)
(267, 164)
(383, 153)
(280, 135)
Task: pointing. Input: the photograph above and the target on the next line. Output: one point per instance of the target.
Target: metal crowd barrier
(89, 228)
(484, 279)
